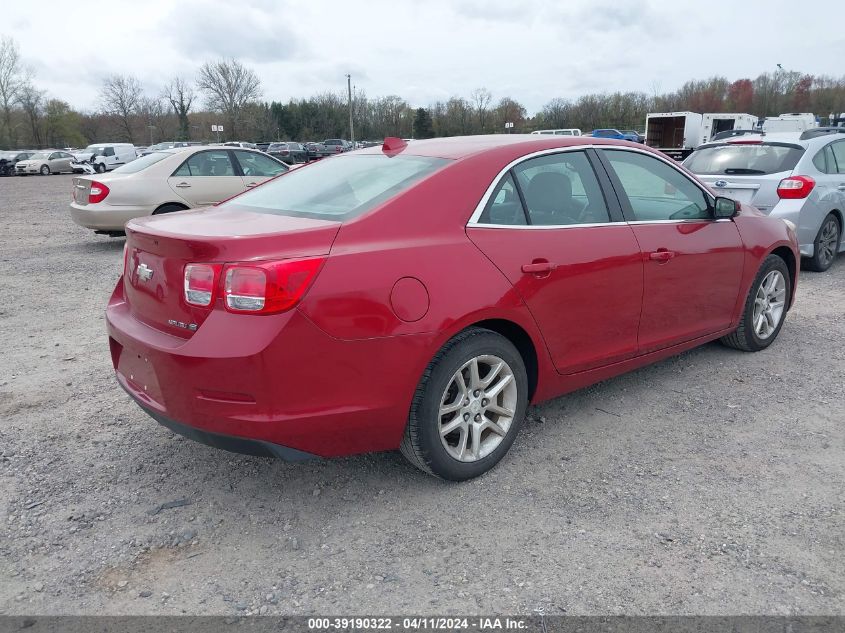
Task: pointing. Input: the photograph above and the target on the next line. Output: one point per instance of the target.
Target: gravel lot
(711, 483)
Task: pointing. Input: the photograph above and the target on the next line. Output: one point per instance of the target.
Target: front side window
(211, 163)
(656, 190)
(561, 189)
(259, 165)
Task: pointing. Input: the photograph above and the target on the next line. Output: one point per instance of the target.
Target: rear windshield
(141, 163)
(340, 187)
(765, 158)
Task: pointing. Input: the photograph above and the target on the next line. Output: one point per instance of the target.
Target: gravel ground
(711, 483)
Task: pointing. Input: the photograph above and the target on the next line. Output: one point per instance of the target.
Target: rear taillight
(268, 287)
(97, 193)
(200, 282)
(795, 187)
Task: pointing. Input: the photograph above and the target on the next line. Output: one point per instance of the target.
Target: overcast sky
(426, 50)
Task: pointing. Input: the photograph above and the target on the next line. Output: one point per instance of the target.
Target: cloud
(252, 33)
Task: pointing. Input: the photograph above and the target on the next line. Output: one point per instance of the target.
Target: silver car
(797, 177)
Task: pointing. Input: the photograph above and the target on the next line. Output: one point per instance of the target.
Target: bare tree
(31, 99)
(121, 97)
(228, 86)
(181, 95)
(481, 98)
(13, 77)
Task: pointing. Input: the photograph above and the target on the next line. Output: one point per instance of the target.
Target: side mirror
(725, 207)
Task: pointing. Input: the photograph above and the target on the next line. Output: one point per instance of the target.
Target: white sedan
(166, 181)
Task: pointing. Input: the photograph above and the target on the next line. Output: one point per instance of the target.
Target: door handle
(538, 267)
(183, 185)
(252, 184)
(661, 255)
(841, 187)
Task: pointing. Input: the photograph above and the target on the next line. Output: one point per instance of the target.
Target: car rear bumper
(104, 217)
(278, 380)
(229, 443)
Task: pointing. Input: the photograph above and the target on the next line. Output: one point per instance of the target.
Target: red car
(419, 296)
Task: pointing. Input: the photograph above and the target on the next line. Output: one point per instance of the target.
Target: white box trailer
(791, 122)
(714, 122)
(673, 133)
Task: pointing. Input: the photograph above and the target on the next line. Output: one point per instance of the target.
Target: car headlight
(791, 225)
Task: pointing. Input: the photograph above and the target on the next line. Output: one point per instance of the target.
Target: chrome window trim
(479, 209)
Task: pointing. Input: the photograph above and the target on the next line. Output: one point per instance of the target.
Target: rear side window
(341, 188)
(838, 151)
(561, 189)
(213, 163)
(737, 159)
(504, 206)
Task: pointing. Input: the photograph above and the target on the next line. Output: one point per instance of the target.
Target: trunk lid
(759, 191)
(158, 248)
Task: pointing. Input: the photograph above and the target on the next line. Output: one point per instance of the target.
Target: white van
(105, 156)
(561, 132)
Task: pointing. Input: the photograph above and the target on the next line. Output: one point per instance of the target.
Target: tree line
(226, 92)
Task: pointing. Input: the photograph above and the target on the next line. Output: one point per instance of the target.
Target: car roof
(457, 147)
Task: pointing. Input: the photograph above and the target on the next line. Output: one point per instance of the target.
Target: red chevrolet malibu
(418, 296)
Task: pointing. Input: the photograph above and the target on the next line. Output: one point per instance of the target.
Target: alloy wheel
(477, 408)
(828, 241)
(769, 304)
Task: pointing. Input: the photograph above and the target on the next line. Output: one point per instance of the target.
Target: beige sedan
(165, 181)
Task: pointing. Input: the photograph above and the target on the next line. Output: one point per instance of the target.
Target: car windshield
(40, 155)
(744, 159)
(96, 149)
(139, 164)
(339, 188)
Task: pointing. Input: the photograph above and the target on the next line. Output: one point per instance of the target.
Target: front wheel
(468, 406)
(45, 170)
(100, 168)
(765, 307)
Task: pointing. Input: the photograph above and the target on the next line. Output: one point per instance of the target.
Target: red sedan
(418, 296)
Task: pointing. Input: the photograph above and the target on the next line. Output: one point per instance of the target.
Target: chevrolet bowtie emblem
(145, 273)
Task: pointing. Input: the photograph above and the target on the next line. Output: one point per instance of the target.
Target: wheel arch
(523, 342)
(786, 254)
(182, 206)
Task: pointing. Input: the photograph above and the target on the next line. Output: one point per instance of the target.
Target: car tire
(765, 308)
(100, 168)
(169, 208)
(45, 170)
(481, 440)
(826, 245)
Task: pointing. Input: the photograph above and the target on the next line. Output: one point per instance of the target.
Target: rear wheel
(765, 308)
(45, 170)
(468, 406)
(826, 245)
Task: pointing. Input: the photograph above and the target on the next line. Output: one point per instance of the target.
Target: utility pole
(351, 129)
